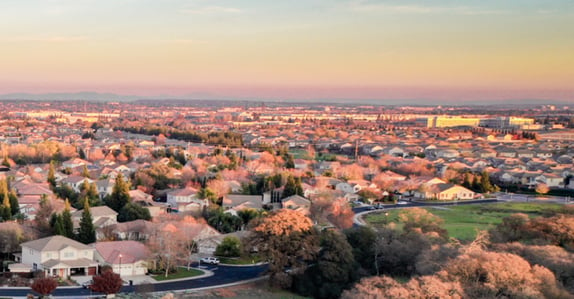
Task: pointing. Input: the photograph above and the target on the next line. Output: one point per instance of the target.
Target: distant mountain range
(110, 97)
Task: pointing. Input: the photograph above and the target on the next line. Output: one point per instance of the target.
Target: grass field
(300, 153)
(240, 261)
(463, 221)
(181, 273)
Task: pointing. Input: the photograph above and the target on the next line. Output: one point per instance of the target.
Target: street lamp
(120, 264)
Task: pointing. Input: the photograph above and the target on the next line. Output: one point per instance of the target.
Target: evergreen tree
(81, 153)
(120, 194)
(89, 192)
(5, 213)
(52, 175)
(298, 187)
(289, 163)
(58, 225)
(485, 184)
(14, 205)
(133, 211)
(67, 223)
(5, 208)
(85, 172)
(86, 232)
(292, 187)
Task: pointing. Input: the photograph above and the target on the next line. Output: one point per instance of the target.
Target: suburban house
(550, 179)
(29, 196)
(146, 200)
(447, 192)
(185, 200)
(297, 203)
(237, 202)
(75, 182)
(125, 257)
(105, 187)
(348, 188)
(136, 230)
(101, 216)
(58, 256)
(75, 162)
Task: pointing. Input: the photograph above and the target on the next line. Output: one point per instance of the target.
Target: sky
(316, 49)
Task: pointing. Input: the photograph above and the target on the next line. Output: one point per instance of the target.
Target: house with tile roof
(125, 257)
(58, 256)
(101, 216)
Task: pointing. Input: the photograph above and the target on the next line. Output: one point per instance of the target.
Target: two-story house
(59, 256)
(185, 200)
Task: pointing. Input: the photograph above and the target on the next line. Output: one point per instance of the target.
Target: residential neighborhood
(142, 190)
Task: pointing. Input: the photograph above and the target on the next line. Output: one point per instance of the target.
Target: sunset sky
(314, 49)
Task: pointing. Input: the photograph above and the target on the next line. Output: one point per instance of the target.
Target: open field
(463, 221)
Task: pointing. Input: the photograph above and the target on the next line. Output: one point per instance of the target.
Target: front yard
(181, 273)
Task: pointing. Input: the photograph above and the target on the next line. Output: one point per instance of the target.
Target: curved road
(221, 275)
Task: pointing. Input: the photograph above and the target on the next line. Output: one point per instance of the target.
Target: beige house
(58, 256)
(101, 216)
(448, 192)
(125, 257)
(297, 203)
(185, 200)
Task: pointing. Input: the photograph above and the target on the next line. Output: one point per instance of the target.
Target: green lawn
(463, 221)
(239, 260)
(300, 154)
(181, 273)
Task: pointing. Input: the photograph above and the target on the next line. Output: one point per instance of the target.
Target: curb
(188, 291)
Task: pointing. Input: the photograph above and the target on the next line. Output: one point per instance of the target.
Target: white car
(402, 203)
(210, 260)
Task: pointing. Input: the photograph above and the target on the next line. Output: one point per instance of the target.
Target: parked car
(379, 206)
(402, 202)
(87, 284)
(210, 260)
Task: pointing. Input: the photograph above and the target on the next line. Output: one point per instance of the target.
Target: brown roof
(130, 251)
(99, 211)
(54, 243)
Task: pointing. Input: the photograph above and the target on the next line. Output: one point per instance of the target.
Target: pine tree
(58, 226)
(485, 185)
(52, 175)
(67, 223)
(14, 205)
(86, 232)
(89, 192)
(298, 187)
(120, 194)
(85, 172)
(5, 208)
(292, 187)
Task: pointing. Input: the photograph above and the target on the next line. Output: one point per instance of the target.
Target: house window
(48, 255)
(68, 254)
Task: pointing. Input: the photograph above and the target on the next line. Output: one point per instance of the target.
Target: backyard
(462, 222)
